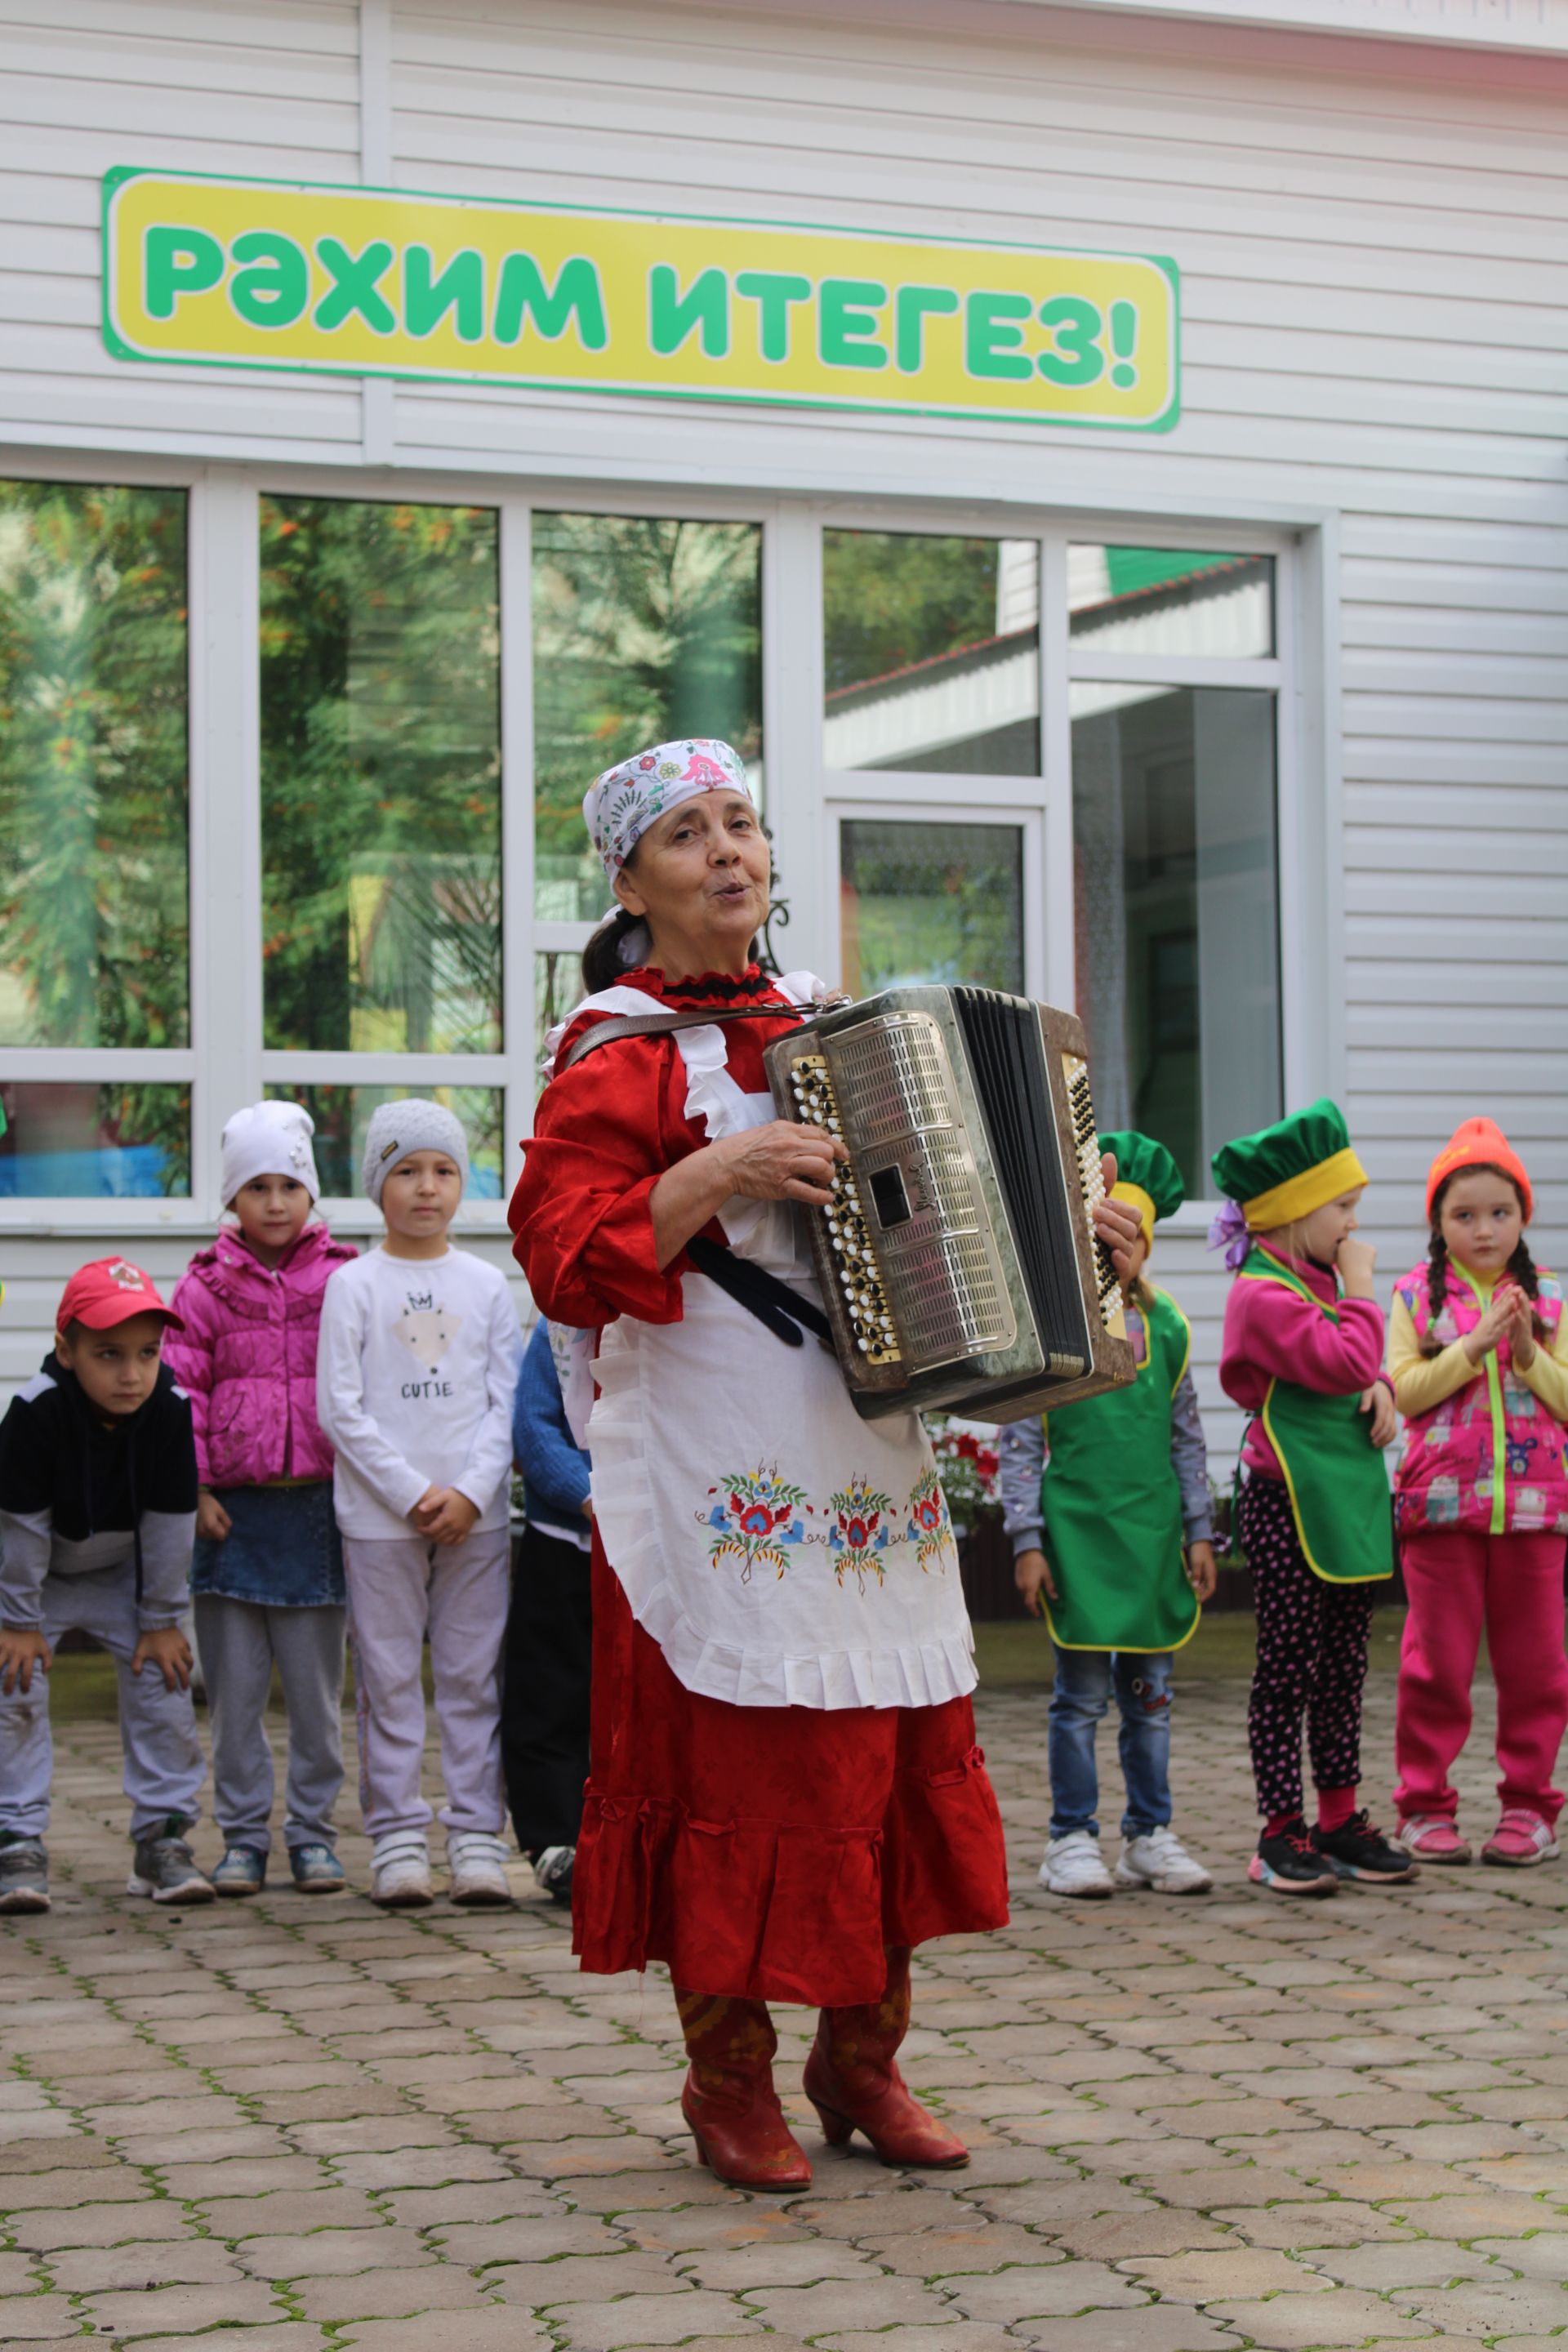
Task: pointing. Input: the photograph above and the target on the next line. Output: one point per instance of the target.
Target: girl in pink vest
(267, 1575)
(1479, 1353)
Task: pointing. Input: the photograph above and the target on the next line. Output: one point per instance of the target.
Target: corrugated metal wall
(1375, 270)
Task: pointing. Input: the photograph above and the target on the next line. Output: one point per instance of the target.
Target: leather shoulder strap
(664, 1025)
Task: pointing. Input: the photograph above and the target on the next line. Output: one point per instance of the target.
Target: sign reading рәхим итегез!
(246, 273)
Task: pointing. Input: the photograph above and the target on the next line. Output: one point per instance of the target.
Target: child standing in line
(1303, 1354)
(1107, 1505)
(1479, 1350)
(97, 1510)
(268, 1576)
(550, 1629)
(418, 1365)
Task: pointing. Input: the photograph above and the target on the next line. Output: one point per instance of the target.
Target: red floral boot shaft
(729, 2100)
(852, 2083)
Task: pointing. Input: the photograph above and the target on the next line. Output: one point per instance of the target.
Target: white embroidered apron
(781, 1551)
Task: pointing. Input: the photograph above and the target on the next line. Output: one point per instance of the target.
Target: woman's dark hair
(1522, 1266)
(602, 965)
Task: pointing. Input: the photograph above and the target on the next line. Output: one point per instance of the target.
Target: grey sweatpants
(239, 1642)
(163, 1768)
(399, 1590)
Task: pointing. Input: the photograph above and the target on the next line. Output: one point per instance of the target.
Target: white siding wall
(267, 91)
(1374, 259)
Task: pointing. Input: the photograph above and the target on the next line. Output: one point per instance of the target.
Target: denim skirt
(283, 1550)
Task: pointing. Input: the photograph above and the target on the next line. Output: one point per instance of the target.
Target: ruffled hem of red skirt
(759, 1910)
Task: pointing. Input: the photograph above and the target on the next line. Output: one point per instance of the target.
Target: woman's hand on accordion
(778, 1161)
(781, 1162)
(1116, 1223)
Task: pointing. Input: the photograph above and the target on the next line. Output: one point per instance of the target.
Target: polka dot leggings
(1311, 1658)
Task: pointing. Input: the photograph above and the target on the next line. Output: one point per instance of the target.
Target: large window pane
(94, 893)
(1177, 923)
(930, 902)
(644, 629)
(342, 1117)
(93, 1142)
(932, 653)
(1160, 600)
(380, 777)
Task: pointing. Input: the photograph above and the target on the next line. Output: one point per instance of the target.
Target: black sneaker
(165, 1867)
(552, 1872)
(1289, 1863)
(1358, 1849)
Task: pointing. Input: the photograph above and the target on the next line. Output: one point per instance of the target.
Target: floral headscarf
(619, 806)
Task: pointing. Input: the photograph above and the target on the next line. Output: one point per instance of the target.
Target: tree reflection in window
(644, 629)
(380, 777)
(93, 789)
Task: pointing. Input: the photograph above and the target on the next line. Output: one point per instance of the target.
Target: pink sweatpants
(1456, 1583)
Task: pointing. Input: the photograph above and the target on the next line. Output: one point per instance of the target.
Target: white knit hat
(399, 1128)
(268, 1138)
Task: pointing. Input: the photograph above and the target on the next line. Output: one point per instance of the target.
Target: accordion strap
(776, 1306)
(664, 1025)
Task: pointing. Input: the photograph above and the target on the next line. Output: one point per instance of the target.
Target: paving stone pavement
(1196, 2124)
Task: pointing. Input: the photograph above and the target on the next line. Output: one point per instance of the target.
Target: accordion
(958, 1262)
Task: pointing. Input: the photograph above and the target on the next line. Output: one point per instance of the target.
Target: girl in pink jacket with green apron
(1303, 1355)
(1480, 1358)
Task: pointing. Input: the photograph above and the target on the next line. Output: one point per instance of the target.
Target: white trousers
(400, 1590)
(163, 1768)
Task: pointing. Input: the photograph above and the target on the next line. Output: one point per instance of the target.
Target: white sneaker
(400, 1871)
(1072, 1866)
(478, 1864)
(1160, 1859)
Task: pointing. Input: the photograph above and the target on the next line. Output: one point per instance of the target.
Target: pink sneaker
(1431, 1837)
(1520, 1840)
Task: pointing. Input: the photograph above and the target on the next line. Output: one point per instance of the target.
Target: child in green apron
(1119, 1581)
(1303, 1355)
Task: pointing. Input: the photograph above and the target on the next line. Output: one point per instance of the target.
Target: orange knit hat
(1479, 1143)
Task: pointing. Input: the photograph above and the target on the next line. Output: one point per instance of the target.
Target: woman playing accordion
(786, 1795)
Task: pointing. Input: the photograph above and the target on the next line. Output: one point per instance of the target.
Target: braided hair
(1520, 1265)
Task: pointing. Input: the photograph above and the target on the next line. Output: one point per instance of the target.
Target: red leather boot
(853, 2082)
(729, 2100)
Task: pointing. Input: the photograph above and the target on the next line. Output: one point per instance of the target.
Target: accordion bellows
(958, 1262)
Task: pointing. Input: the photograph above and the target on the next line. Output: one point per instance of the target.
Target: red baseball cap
(1479, 1143)
(110, 1290)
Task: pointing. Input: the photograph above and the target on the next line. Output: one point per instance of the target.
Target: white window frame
(225, 1065)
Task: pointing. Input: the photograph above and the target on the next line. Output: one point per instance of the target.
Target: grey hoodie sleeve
(168, 1538)
(24, 1541)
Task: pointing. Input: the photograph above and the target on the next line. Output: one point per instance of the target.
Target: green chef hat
(1287, 1170)
(1146, 1175)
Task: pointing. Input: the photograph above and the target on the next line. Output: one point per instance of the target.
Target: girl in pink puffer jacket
(267, 1575)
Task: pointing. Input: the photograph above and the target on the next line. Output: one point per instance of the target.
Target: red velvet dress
(769, 1851)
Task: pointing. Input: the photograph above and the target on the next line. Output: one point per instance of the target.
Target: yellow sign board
(246, 273)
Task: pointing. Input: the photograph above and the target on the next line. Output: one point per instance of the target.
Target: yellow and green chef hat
(1287, 1170)
(1146, 1175)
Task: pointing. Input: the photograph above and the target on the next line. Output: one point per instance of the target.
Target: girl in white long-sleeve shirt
(416, 1369)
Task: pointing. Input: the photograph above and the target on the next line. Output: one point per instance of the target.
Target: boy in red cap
(1478, 1352)
(97, 1515)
